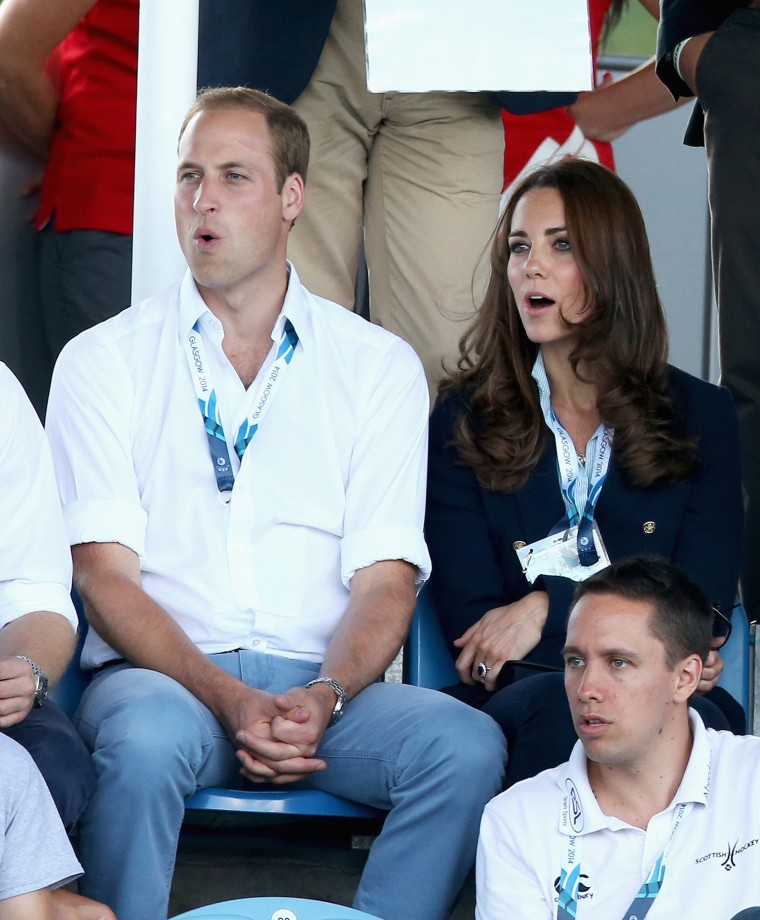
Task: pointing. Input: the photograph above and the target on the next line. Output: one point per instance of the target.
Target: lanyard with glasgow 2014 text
(567, 461)
(204, 390)
(570, 876)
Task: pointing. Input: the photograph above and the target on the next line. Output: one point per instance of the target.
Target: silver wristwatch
(40, 680)
(340, 703)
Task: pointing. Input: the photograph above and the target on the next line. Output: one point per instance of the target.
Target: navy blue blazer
(680, 19)
(471, 531)
(275, 45)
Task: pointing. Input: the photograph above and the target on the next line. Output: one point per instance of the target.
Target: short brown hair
(287, 130)
(681, 617)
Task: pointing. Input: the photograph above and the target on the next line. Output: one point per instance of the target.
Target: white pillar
(166, 82)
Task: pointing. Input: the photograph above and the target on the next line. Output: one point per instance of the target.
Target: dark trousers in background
(728, 87)
(54, 744)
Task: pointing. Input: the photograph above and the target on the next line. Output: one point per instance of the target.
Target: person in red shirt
(588, 127)
(68, 89)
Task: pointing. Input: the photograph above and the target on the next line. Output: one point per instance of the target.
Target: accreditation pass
(557, 554)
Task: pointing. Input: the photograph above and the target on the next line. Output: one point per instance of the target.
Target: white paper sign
(415, 46)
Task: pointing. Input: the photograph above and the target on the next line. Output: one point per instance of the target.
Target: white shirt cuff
(106, 521)
(378, 544)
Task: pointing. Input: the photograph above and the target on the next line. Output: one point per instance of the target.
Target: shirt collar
(580, 812)
(192, 307)
(544, 393)
(695, 785)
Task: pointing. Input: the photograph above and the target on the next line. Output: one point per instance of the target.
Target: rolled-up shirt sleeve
(385, 494)
(90, 422)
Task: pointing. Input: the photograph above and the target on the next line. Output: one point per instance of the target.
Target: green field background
(635, 34)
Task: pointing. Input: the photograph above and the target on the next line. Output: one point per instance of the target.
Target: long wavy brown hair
(621, 343)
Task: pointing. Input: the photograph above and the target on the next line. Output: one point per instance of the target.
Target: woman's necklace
(581, 458)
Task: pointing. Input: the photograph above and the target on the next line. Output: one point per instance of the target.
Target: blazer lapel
(539, 503)
(618, 500)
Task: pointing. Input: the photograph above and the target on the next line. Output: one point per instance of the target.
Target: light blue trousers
(431, 760)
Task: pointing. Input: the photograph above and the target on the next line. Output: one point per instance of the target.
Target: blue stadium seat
(274, 909)
(427, 660)
(736, 657)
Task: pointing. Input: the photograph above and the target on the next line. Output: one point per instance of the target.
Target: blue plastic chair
(428, 662)
(274, 909)
(278, 800)
(736, 658)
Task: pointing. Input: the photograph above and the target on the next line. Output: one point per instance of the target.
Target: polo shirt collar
(580, 812)
(295, 307)
(695, 785)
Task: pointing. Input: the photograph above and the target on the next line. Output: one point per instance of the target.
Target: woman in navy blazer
(572, 310)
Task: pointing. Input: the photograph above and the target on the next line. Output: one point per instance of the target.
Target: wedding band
(483, 670)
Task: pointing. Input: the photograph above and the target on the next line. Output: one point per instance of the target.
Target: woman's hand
(712, 669)
(504, 633)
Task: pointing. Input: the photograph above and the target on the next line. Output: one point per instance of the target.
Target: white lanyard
(570, 875)
(259, 402)
(569, 474)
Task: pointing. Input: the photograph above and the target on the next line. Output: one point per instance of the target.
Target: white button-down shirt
(35, 563)
(334, 479)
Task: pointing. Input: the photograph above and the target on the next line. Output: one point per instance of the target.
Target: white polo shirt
(712, 860)
(35, 562)
(334, 479)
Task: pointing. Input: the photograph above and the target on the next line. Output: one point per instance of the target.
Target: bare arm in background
(30, 31)
(616, 105)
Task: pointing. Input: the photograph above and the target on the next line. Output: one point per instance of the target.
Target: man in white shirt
(38, 622)
(244, 628)
(37, 637)
(654, 814)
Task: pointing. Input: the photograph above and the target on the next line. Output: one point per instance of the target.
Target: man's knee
(143, 716)
(458, 741)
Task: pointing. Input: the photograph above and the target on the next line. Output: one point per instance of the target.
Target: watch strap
(342, 697)
(40, 680)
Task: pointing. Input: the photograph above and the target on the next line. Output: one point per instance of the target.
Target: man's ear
(688, 673)
(293, 195)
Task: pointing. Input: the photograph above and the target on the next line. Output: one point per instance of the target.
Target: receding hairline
(214, 109)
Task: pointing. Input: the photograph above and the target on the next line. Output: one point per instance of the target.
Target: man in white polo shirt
(241, 466)
(654, 814)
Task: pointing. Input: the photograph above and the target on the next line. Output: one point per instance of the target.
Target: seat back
(427, 660)
(274, 909)
(736, 659)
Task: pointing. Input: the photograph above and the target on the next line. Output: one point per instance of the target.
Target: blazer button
(649, 527)
(518, 544)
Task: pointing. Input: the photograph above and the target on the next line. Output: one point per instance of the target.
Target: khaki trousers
(416, 177)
